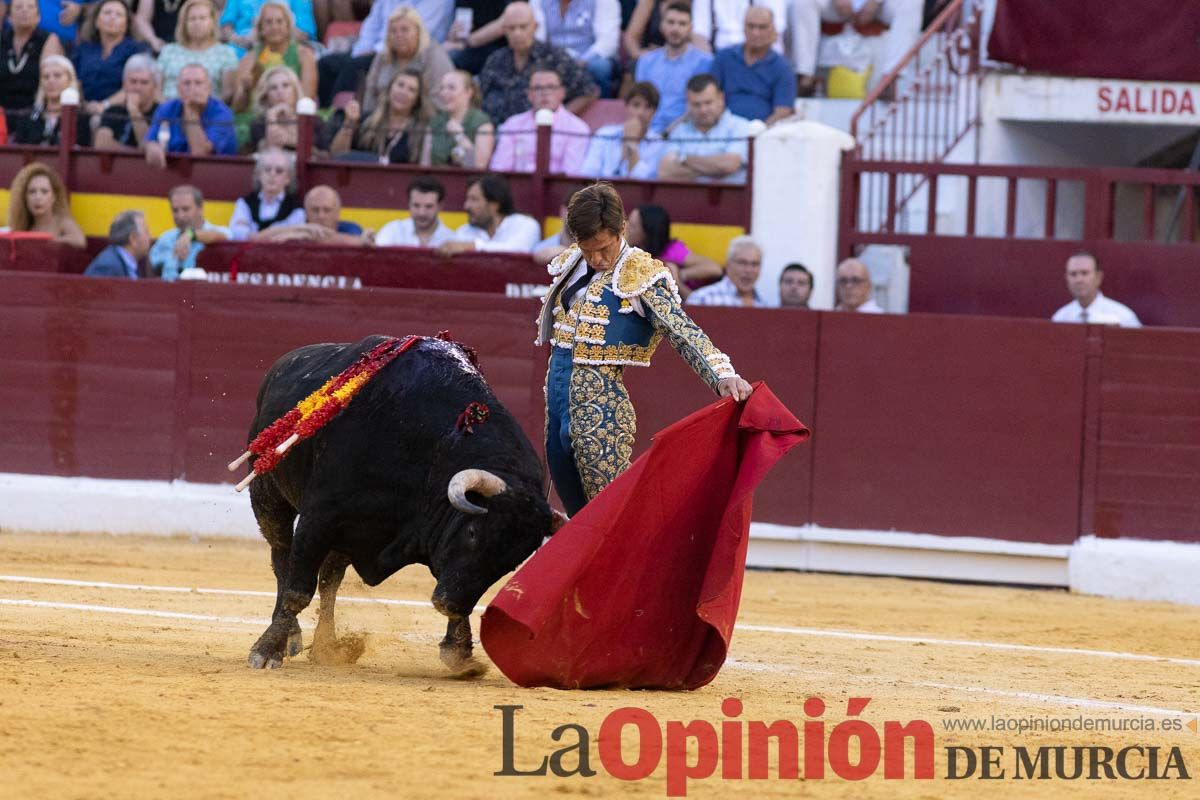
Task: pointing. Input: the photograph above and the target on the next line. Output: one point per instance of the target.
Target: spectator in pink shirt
(516, 140)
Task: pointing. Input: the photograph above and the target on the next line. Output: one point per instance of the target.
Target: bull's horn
(479, 481)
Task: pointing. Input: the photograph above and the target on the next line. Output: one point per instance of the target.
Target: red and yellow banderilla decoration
(311, 413)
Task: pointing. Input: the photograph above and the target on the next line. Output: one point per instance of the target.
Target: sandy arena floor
(99, 698)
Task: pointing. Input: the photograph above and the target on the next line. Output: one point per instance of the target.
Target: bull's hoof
(460, 661)
(469, 669)
(295, 643)
(276, 640)
(257, 660)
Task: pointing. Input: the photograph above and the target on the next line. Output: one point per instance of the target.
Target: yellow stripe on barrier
(94, 213)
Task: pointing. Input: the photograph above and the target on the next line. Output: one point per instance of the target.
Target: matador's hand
(734, 387)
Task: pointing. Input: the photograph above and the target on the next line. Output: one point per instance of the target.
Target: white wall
(797, 174)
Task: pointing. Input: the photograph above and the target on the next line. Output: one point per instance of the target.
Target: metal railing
(1026, 202)
(934, 93)
(934, 103)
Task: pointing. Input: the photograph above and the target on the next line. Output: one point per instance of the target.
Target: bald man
(322, 222)
(854, 288)
(757, 81)
(504, 79)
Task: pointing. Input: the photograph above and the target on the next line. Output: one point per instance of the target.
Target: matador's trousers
(590, 427)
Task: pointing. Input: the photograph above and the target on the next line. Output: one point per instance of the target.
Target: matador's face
(602, 250)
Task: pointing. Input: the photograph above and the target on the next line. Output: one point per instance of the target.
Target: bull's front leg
(308, 552)
(271, 647)
(456, 649)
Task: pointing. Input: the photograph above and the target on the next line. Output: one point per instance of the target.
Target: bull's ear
(557, 520)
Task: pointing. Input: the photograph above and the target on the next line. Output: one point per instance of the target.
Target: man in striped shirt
(742, 267)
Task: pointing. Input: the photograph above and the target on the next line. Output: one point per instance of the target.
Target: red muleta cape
(641, 588)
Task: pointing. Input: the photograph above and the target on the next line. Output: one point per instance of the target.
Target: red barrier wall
(33, 255)
(944, 425)
(1026, 278)
(1146, 480)
(948, 425)
(394, 267)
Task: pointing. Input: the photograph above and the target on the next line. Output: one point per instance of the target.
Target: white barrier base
(1123, 568)
(1136, 570)
(92, 505)
(910, 555)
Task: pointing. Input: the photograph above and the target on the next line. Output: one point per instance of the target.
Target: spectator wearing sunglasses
(273, 200)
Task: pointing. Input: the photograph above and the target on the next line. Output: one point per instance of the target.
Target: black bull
(392, 481)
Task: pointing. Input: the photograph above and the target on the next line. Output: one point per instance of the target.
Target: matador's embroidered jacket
(623, 314)
(617, 321)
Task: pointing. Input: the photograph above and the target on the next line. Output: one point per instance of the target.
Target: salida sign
(1114, 99)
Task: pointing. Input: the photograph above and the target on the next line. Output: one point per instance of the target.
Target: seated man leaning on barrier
(1084, 277)
(711, 142)
(176, 250)
(423, 227)
(629, 149)
(323, 222)
(126, 121)
(743, 264)
(492, 222)
(195, 122)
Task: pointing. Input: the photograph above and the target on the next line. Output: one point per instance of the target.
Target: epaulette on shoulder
(638, 271)
(564, 261)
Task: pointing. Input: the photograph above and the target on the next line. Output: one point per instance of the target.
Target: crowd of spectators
(447, 83)
(482, 70)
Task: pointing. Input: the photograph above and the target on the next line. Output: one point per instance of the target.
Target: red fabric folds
(641, 588)
(1154, 40)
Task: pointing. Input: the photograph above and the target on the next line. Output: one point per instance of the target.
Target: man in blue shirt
(128, 243)
(758, 82)
(711, 144)
(176, 250)
(59, 17)
(630, 149)
(195, 122)
(670, 67)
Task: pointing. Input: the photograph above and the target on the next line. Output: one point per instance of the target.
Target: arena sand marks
(112, 691)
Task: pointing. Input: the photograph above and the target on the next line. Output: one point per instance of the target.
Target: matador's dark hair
(593, 209)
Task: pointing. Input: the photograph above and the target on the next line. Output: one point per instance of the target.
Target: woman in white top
(196, 43)
(273, 200)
